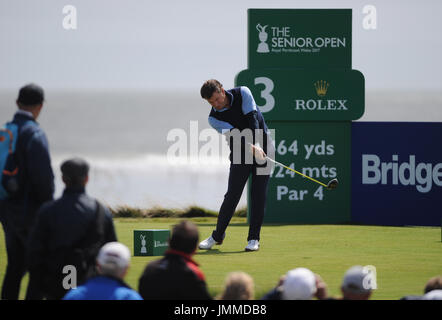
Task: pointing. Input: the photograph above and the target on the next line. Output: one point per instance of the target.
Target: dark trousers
(239, 173)
(16, 250)
(15, 268)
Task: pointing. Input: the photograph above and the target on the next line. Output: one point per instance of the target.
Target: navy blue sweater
(35, 176)
(64, 222)
(242, 113)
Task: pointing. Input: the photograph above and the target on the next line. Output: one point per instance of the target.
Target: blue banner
(397, 173)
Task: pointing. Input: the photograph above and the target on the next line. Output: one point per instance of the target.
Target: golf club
(332, 184)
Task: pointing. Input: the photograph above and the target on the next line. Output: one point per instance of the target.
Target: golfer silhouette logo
(263, 47)
(143, 244)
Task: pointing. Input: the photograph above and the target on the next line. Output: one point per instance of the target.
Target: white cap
(114, 255)
(433, 295)
(299, 284)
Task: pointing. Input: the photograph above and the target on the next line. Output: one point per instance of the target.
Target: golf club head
(332, 184)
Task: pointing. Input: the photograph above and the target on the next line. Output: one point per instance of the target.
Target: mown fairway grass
(404, 257)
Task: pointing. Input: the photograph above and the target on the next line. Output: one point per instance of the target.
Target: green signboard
(306, 38)
(151, 242)
(320, 150)
(306, 94)
(299, 72)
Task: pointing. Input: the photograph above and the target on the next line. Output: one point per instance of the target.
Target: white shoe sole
(216, 244)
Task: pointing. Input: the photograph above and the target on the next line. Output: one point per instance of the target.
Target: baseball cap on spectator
(299, 284)
(353, 281)
(30, 94)
(114, 256)
(433, 295)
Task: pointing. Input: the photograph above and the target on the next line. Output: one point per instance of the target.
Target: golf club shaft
(284, 166)
(279, 163)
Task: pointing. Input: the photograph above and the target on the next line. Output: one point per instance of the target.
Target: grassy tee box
(405, 257)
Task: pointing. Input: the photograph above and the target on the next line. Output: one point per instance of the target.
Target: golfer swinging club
(236, 109)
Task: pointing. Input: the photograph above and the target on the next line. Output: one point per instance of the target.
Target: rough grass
(159, 212)
(404, 257)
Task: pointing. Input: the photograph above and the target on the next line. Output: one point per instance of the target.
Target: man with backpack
(68, 234)
(26, 182)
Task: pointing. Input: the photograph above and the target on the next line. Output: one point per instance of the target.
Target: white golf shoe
(207, 244)
(252, 245)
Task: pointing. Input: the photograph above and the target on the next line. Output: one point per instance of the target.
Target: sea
(146, 148)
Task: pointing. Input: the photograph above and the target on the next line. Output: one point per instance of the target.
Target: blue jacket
(103, 288)
(35, 176)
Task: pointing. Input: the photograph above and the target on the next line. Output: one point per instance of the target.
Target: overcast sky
(178, 44)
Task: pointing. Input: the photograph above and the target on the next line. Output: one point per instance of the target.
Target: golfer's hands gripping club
(258, 152)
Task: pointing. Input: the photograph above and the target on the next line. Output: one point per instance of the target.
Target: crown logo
(321, 87)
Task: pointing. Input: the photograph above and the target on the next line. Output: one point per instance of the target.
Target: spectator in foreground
(298, 284)
(434, 283)
(27, 182)
(176, 276)
(432, 290)
(355, 285)
(113, 262)
(238, 286)
(68, 231)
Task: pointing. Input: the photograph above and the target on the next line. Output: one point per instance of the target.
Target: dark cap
(31, 94)
(74, 169)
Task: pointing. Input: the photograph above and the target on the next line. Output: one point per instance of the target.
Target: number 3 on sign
(266, 93)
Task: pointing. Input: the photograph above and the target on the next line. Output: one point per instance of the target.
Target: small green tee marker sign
(151, 242)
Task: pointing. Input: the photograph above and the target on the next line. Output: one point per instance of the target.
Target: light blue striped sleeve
(248, 103)
(220, 126)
